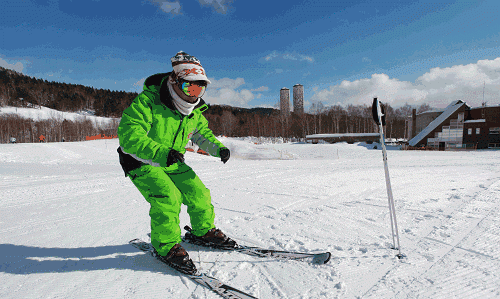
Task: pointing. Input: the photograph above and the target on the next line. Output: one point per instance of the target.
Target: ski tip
(328, 258)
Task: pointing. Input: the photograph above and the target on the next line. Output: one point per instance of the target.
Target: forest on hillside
(19, 90)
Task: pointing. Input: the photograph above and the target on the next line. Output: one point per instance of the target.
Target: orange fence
(200, 151)
(100, 136)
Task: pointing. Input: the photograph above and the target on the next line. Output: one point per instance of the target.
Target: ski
(201, 278)
(315, 258)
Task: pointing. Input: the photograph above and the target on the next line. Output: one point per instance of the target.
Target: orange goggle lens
(193, 89)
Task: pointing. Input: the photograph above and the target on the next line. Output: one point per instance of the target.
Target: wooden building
(482, 127)
(459, 127)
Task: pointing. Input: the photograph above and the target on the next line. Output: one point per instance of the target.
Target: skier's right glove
(224, 154)
(174, 157)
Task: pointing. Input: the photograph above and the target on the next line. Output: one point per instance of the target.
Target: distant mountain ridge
(15, 86)
(18, 90)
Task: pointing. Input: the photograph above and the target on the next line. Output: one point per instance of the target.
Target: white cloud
(226, 83)
(288, 56)
(308, 58)
(18, 66)
(220, 6)
(167, 6)
(174, 7)
(262, 88)
(438, 87)
(271, 56)
(224, 92)
(229, 97)
(139, 84)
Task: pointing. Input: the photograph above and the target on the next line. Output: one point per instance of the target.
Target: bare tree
(405, 110)
(366, 113)
(228, 120)
(316, 109)
(335, 114)
(350, 119)
(424, 108)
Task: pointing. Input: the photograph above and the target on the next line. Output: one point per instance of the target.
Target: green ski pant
(165, 192)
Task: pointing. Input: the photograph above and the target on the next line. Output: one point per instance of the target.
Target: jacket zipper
(178, 130)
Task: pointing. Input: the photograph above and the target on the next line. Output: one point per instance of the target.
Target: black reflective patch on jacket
(128, 162)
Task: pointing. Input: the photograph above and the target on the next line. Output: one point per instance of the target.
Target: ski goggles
(193, 88)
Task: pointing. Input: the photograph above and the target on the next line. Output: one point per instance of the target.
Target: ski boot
(214, 238)
(178, 259)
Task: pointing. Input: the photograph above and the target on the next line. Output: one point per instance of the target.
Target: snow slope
(67, 213)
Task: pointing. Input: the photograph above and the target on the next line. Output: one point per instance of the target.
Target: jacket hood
(153, 83)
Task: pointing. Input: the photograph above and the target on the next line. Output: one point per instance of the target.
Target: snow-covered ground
(67, 213)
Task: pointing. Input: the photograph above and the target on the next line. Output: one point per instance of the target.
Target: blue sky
(343, 52)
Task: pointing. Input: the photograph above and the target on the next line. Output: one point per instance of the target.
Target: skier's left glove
(224, 154)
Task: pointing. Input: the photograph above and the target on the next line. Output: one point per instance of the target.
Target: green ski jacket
(151, 126)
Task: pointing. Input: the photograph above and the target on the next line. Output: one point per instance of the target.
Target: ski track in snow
(443, 242)
(67, 214)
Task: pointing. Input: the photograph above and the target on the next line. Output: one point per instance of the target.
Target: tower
(298, 99)
(285, 103)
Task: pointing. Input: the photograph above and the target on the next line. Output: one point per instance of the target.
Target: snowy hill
(44, 113)
(67, 213)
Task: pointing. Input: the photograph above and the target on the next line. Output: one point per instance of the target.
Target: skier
(153, 134)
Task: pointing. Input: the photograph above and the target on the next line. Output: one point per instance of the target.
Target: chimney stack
(413, 123)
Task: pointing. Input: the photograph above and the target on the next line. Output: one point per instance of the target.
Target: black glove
(224, 154)
(174, 157)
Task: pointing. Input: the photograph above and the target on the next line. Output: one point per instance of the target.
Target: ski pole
(379, 118)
